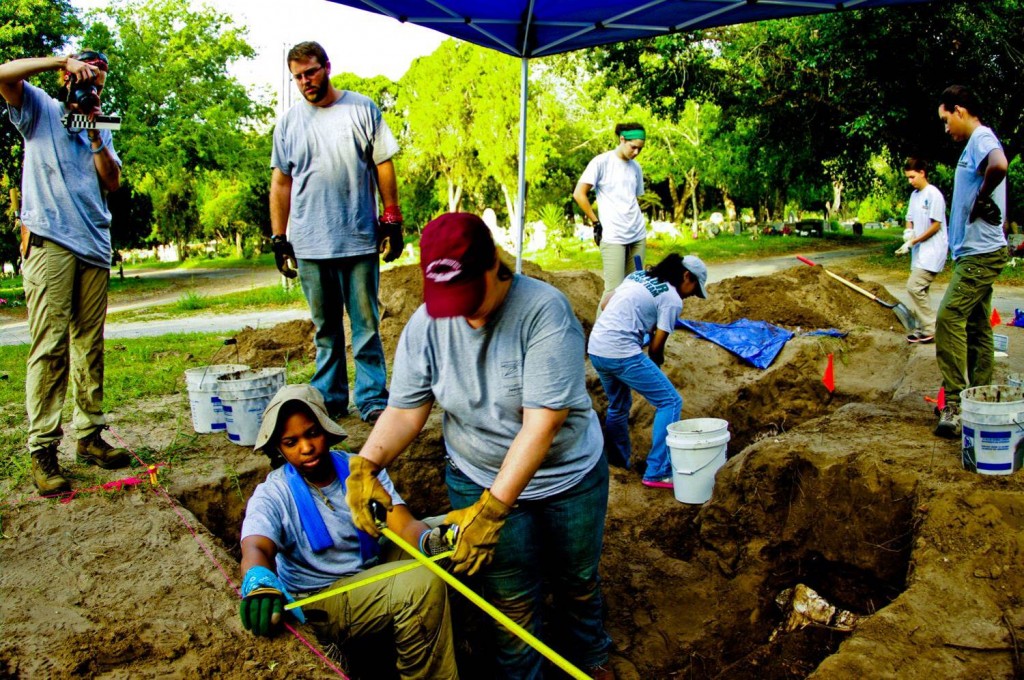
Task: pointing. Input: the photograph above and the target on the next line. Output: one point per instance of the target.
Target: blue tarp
(757, 342)
(537, 28)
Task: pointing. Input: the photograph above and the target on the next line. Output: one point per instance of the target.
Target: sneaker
(913, 337)
(46, 472)
(373, 416)
(924, 339)
(663, 483)
(93, 450)
(949, 422)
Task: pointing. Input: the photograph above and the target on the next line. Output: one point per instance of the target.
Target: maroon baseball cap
(456, 250)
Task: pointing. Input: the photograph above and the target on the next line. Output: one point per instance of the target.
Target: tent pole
(524, 91)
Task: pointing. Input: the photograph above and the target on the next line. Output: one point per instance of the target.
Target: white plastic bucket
(244, 396)
(1015, 380)
(207, 414)
(697, 447)
(1001, 342)
(992, 418)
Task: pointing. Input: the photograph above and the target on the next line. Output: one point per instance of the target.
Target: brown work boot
(46, 471)
(93, 450)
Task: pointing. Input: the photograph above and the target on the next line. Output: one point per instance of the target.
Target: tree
(28, 28)
(183, 115)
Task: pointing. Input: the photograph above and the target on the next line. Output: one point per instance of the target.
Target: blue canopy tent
(538, 28)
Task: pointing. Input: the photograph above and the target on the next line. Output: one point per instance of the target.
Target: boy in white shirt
(926, 239)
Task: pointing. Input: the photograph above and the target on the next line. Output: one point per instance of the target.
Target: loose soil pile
(846, 492)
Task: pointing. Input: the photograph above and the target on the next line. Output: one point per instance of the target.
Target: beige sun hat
(308, 395)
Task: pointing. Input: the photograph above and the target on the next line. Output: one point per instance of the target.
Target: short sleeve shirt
(640, 305)
(618, 183)
(272, 513)
(62, 200)
(978, 237)
(925, 207)
(331, 154)
(529, 355)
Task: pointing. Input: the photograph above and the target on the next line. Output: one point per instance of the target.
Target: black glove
(389, 240)
(986, 210)
(389, 233)
(284, 256)
(597, 232)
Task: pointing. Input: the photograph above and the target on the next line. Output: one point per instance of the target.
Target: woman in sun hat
(646, 305)
(298, 539)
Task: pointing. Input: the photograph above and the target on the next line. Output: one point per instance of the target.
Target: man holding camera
(66, 256)
(332, 155)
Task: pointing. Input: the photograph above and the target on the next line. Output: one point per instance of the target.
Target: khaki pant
(616, 263)
(67, 307)
(963, 333)
(412, 606)
(918, 286)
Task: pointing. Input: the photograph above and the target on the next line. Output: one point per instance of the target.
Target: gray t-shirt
(530, 355)
(271, 512)
(978, 237)
(640, 305)
(62, 200)
(331, 155)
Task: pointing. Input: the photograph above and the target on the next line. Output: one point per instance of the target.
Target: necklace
(321, 494)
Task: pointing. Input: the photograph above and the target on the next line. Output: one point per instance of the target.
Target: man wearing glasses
(331, 158)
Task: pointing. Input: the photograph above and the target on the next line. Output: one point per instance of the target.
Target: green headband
(633, 134)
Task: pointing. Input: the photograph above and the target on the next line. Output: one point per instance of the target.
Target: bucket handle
(698, 469)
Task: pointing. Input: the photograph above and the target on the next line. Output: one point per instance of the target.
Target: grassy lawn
(129, 379)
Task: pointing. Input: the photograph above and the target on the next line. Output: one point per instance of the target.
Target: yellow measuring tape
(524, 635)
(409, 566)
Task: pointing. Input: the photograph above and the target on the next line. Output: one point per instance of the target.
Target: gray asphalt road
(1005, 299)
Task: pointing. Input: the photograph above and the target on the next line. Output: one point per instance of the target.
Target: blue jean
(331, 287)
(557, 539)
(638, 372)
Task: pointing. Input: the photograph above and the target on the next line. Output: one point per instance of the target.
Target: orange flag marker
(995, 319)
(829, 379)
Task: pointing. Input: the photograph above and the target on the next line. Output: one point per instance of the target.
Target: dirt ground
(846, 492)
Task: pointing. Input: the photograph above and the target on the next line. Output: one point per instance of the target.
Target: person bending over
(645, 305)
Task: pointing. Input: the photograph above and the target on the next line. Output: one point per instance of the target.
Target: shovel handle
(841, 280)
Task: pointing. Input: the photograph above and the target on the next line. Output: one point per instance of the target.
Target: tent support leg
(524, 92)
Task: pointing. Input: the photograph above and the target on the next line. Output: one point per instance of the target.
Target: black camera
(86, 95)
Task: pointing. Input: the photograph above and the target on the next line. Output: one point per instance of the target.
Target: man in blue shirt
(65, 256)
(964, 345)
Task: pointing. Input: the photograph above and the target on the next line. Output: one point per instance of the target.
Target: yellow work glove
(479, 527)
(361, 487)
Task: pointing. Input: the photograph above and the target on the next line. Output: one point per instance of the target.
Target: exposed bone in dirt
(848, 493)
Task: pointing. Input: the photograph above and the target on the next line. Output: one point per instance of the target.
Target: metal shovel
(902, 313)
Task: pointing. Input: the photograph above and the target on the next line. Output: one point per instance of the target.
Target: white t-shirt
(927, 206)
(618, 184)
(639, 306)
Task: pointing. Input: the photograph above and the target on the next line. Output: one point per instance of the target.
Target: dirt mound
(846, 492)
(801, 297)
(269, 347)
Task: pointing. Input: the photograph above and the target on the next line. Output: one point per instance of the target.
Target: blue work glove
(263, 599)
